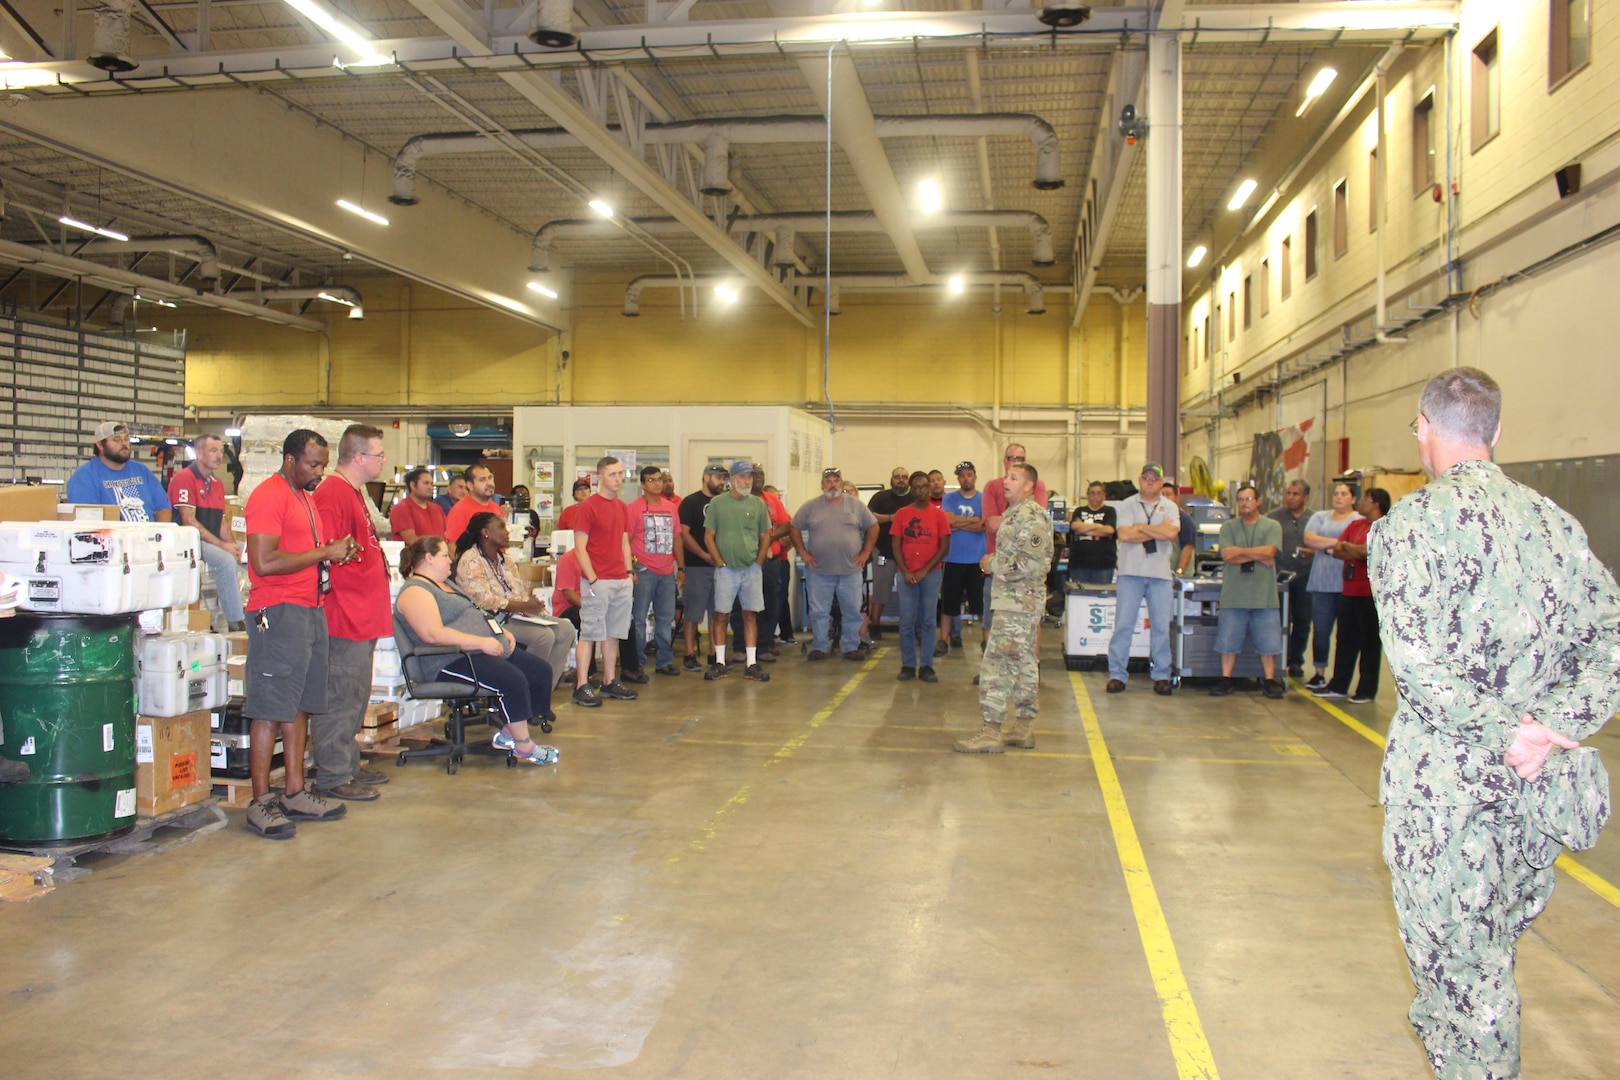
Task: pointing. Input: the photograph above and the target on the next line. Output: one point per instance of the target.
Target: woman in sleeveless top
(1326, 585)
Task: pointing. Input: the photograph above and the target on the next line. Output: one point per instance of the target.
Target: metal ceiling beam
(459, 22)
(19, 39)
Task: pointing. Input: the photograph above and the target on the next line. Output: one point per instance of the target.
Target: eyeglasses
(1415, 420)
(1014, 459)
(380, 454)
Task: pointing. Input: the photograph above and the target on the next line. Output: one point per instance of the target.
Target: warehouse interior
(810, 233)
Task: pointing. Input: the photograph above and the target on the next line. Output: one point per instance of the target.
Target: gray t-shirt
(834, 533)
(457, 612)
(1327, 573)
(1133, 559)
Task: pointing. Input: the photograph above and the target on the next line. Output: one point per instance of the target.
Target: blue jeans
(918, 605)
(1128, 592)
(658, 592)
(1086, 575)
(1324, 613)
(1299, 618)
(847, 588)
(223, 568)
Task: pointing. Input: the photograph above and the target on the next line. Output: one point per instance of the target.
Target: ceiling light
(155, 300)
(1197, 256)
(1244, 190)
(172, 442)
(726, 294)
(329, 24)
(604, 209)
(1319, 85)
(930, 198)
(510, 304)
(375, 219)
(549, 294)
(15, 76)
(461, 431)
(75, 223)
(233, 433)
(334, 299)
(957, 284)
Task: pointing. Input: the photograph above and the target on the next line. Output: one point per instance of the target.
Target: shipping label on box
(169, 770)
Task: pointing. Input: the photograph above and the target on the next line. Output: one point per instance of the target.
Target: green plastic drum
(67, 711)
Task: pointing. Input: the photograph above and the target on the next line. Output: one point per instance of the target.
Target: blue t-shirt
(133, 488)
(966, 547)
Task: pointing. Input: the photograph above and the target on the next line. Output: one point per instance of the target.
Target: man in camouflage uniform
(1503, 634)
(1010, 674)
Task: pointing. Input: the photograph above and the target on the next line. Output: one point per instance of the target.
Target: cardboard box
(87, 512)
(237, 639)
(201, 620)
(171, 762)
(534, 573)
(28, 502)
(236, 673)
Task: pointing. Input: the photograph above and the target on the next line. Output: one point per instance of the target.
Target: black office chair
(466, 703)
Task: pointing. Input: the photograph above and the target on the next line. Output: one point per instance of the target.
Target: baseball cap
(1155, 468)
(742, 468)
(715, 470)
(110, 428)
(964, 465)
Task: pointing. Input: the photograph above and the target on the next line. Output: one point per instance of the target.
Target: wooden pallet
(24, 877)
(193, 823)
(238, 794)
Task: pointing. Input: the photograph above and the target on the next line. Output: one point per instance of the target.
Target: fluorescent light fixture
(15, 76)
(233, 433)
(726, 293)
(329, 24)
(375, 219)
(155, 300)
(75, 223)
(1244, 190)
(1318, 86)
(930, 197)
(1197, 256)
(507, 302)
(172, 442)
(549, 294)
(604, 209)
(957, 284)
(334, 299)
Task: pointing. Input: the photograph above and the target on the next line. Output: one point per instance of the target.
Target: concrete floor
(795, 880)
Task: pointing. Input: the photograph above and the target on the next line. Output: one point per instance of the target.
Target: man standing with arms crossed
(842, 534)
(358, 612)
(1503, 633)
(697, 596)
(660, 564)
(1148, 527)
(883, 506)
(1249, 593)
(1295, 557)
(602, 544)
(198, 498)
(962, 580)
(288, 579)
(739, 539)
(1009, 679)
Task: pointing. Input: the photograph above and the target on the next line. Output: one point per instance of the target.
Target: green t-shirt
(1257, 588)
(736, 525)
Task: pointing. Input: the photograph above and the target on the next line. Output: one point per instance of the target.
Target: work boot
(264, 817)
(305, 805)
(988, 741)
(1021, 734)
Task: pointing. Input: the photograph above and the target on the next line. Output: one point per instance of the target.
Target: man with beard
(112, 479)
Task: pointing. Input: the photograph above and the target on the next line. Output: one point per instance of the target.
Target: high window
(1265, 287)
(1286, 268)
(1569, 46)
(1310, 245)
(1423, 170)
(1485, 92)
(1341, 218)
(1248, 305)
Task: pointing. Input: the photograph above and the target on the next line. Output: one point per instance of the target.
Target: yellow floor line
(787, 750)
(1188, 1044)
(1566, 862)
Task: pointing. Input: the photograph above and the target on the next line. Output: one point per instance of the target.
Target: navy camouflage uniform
(1491, 605)
(1009, 676)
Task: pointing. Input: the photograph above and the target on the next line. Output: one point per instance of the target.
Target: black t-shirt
(692, 508)
(889, 502)
(1093, 552)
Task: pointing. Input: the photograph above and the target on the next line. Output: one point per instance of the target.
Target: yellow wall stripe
(1187, 1042)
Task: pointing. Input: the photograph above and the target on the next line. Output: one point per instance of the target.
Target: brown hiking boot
(987, 741)
(1021, 734)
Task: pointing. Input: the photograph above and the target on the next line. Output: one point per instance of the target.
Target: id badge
(494, 627)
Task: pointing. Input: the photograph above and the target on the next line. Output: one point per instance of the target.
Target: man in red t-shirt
(1358, 617)
(358, 612)
(602, 544)
(198, 498)
(288, 559)
(582, 491)
(416, 514)
(922, 538)
(480, 500)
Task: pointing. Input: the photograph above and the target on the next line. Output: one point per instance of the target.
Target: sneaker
(766, 656)
(926, 674)
(308, 806)
(716, 671)
(956, 643)
(587, 697)
(857, 654)
(691, 663)
(816, 654)
(1316, 682)
(906, 674)
(370, 776)
(264, 817)
(789, 640)
(670, 669)
(635, 675)
(1275, 689)
(1360, 699)
(1222, 687)
(1327, 692)
(941, 648)
(756, 673)
(538, 755)
(1115, 686)
(1296, 671)
(618, 691)
(503, 740)
(351, 792)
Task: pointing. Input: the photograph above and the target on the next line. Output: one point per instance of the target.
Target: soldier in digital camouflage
(1010, 674)
(1503, 634)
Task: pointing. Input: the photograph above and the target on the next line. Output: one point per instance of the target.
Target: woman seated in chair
(489, 577)
(434, 612)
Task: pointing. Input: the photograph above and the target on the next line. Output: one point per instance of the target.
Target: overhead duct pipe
(109, 47)
(1034, 290)
(717, 135)
(784, 227)
(554, 24)
(198, 249)
(334, 294)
